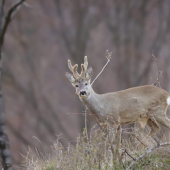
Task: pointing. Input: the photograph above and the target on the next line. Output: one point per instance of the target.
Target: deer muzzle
(82, 93)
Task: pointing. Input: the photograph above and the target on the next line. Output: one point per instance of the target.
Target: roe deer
(146, 104)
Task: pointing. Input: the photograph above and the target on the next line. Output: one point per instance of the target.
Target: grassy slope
(100, 152)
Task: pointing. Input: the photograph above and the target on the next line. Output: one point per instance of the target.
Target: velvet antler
(73, 69)
(84, 67)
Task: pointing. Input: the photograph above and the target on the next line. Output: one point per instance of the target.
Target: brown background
(38, 43)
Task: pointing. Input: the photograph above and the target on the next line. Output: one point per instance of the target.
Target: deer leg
(160, 115)
(163, 121)
(118, 135)
(118, 141)
(154, 127)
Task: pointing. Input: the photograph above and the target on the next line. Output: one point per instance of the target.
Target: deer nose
(82, 93)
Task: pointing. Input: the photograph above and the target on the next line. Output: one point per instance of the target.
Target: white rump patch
(168, 100)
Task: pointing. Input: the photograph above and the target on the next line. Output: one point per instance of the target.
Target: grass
(99, 152)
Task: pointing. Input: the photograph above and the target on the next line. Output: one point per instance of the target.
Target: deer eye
(86, 84)
(76, 85)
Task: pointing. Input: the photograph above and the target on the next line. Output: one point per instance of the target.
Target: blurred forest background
(39, 101)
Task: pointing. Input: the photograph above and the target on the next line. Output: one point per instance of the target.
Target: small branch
(108, 56)
(130, 155)
(156, 141)
(157, 82)
(8, 19)
(1, 14)
(27, 5)
(86, 122)
(146, 152)
(139, 140)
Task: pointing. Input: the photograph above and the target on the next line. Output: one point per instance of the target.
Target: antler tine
(70, 65)
(84, 67)
(75, 73)
(85, 63)
(73, 69)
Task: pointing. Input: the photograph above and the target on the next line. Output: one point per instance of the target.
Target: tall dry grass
(99, 152)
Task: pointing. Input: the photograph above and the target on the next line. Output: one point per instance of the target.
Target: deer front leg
(118, 135)
(114, 139)
(118, 141)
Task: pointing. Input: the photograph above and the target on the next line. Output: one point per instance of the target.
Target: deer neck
(94, 102)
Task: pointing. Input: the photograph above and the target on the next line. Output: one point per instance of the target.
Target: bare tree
(4, 142)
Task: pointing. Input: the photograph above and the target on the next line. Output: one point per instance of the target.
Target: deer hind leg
(160, 116)
(164, 121)
(154, 127)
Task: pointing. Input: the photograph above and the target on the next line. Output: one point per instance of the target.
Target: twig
(139, 140)
(156, 141)
(8, 19)
(27, 5)
(108, 56)
(130, 155)
(157, 81)
(86, 123)
(1, 13)
(146, 152)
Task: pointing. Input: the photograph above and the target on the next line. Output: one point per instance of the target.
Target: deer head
(81, 82)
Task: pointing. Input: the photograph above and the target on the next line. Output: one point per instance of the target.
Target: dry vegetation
(99, 151)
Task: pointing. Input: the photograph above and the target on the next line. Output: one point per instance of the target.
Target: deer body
(127, 106)
(145, 104)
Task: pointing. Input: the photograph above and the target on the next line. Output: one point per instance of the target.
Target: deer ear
(89, 73)
(70, 77)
